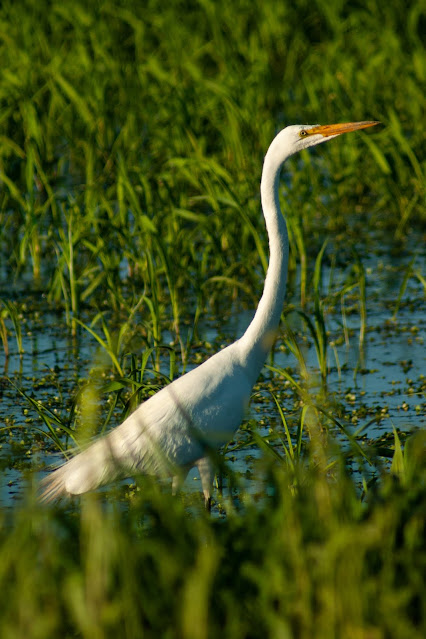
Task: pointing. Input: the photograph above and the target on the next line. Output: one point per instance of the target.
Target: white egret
(197, 413)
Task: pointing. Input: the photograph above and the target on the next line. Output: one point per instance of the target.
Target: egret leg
(206, 473)
(178, 480)
(176, 484)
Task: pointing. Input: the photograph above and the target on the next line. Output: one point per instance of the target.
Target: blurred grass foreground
(312, 560)
(132, 133)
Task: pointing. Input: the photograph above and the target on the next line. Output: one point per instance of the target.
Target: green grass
(131, 143)
(310, 560)
(126, 135)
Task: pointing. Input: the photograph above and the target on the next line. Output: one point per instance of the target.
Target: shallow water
(385, 378)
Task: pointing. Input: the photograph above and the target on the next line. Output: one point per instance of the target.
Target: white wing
(174, 428)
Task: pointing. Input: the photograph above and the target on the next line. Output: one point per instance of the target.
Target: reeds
(311, 558)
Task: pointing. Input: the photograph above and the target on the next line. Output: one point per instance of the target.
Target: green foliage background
(130, 129)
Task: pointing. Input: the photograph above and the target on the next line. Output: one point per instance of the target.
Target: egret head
(296, 137)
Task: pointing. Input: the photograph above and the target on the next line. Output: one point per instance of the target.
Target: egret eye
(303, 133)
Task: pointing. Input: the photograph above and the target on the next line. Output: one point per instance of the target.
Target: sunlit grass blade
(398, 466)
(409, 273)
(351, 439)
(284, 373)
(289, 449)
(107, 344)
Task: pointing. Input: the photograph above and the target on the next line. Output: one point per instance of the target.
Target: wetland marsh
(132, 247)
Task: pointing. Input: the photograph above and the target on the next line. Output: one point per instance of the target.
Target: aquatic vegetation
(312, 558)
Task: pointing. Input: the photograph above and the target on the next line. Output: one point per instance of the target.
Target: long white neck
(257, 340)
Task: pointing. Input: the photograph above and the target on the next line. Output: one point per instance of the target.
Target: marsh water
(381, 382)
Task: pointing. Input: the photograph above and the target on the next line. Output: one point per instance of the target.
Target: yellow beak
(336, 129)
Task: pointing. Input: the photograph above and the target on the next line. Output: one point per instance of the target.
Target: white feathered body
(171, 430)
